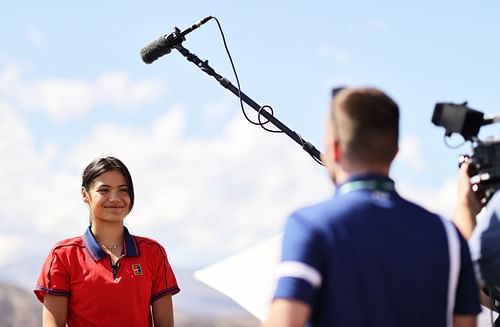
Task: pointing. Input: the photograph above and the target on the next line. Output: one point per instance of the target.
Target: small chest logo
(137, 269)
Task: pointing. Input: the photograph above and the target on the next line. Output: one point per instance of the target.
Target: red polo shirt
(103, 295)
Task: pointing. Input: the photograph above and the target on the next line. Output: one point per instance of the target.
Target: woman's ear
(85, 195)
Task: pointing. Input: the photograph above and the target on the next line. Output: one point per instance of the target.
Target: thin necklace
(111, 247)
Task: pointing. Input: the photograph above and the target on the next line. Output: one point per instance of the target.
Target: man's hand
(468, 205)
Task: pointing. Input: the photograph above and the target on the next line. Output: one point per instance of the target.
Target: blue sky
(73, 87)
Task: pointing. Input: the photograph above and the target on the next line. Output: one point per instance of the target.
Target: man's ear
(337, 151)
(85, 195)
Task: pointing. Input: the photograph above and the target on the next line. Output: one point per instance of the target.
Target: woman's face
(108, 197)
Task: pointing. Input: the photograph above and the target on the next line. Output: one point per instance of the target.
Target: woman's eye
(124, 190)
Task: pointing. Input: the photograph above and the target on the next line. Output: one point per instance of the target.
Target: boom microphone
(164, 44)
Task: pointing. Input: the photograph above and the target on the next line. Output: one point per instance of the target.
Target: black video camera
(484, 163)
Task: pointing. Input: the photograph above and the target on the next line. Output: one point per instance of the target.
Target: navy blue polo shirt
(367, 257)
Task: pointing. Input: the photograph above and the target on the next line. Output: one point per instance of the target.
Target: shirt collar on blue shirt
(367, 177)
(130, 248)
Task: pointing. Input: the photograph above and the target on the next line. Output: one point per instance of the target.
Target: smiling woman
(107, 276)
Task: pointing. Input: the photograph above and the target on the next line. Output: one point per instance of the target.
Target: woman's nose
(114, 195)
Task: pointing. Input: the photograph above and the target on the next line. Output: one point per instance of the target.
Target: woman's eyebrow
(106, 185)
(103, 185)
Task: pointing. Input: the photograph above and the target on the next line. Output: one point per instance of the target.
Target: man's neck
(343, 175)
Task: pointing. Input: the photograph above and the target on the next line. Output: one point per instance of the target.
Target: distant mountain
(18, 307)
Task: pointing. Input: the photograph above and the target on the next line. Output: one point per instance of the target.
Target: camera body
(484, 168)
(484, 163)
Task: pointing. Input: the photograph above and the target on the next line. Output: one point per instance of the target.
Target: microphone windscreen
(155, 50)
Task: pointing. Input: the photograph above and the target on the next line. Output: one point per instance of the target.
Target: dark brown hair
(366, 123)
(101, 165)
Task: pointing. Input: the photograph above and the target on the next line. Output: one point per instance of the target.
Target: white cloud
(117, 89)
(64, 99)
(10, 245)
(33, 191)
(214, 112)
(61, 99)
(411, 153)
(440, 199)
(208, 197)
(9, 77)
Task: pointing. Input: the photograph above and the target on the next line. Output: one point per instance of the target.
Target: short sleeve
(54, 277)
(467, 295)
(299, 272)
(164, 282)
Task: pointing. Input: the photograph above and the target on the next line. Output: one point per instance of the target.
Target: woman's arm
(55, 310)
(163, 314)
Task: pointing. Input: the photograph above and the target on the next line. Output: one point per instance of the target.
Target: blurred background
(209, 184)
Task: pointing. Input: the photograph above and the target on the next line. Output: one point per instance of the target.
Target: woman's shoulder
(70, 242)
(67, 247)
(146, 240)
(148, 244)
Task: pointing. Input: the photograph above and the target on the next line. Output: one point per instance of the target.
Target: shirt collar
(366, 177)
(130, 248)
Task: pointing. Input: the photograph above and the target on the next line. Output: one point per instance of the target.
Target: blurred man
(484, 239)
(367, 257)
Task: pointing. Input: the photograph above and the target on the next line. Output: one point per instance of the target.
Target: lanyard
(370, 185)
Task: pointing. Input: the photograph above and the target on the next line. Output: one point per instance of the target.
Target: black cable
(259, 114)
(271, 112)
(307, 146)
